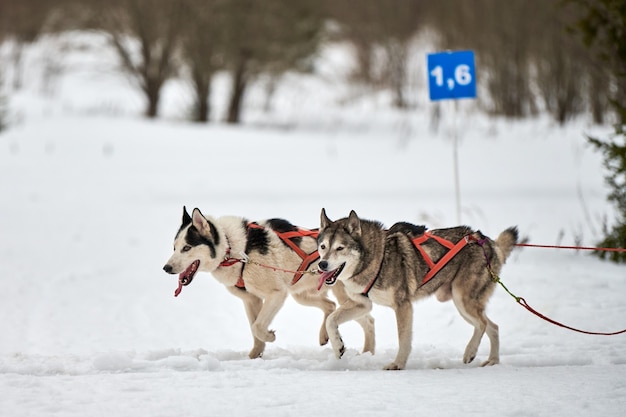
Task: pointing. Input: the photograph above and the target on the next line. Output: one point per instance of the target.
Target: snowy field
(93, 194)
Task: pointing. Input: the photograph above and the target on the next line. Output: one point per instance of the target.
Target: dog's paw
(369, 346)
(256, 353)
(257, 349)
(393, 367)
(491, 362)
(470, 352)
(468, 358)
(261, 333)
(339, 352)
(371, 350)
(323, 337)
(270, 336)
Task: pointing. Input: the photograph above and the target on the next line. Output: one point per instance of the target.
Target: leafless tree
(145, 34)
(389, 26)
(201, 46)
(560, 63)
(23, 21)
(271, 36)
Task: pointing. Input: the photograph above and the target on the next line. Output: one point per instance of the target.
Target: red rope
(524, 304)
(521, 301)
(572, 247)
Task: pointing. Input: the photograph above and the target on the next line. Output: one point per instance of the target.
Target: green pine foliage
(614, 152)
(602, 28)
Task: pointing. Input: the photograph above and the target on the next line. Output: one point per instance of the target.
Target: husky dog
(405, 263)
(238, 252)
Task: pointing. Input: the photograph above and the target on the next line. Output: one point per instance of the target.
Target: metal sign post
(451, 76)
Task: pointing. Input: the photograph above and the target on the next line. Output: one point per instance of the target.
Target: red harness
(453, 249)
(286, 237)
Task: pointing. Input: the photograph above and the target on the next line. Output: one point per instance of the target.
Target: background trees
(22, 22)
(201, 52)
(529, 60)
(269, 37)
(388, 27)
(145, 35)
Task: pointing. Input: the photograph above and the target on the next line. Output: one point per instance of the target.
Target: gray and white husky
(256, 264)
(400, 265)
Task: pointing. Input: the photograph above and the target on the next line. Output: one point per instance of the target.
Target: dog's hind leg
(366, 322)
(404, 321)
(320, 300)
(349, 310)
(473, 311)
(253, 305)
(493, 333)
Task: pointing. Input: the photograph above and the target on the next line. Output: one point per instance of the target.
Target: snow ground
(93, 197)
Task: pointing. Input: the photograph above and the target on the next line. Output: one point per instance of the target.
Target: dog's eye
(322, 246)
(186, 248)
(339, 248)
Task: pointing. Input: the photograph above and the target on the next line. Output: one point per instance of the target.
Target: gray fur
(362, 252)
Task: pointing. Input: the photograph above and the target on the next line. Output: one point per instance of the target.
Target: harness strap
(307, 258)
(240, 284)
(453, 250)
(367, 289)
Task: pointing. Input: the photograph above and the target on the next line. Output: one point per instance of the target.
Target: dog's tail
(506, 241)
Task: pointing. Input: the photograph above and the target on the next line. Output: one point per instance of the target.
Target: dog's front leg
(349, 310)
(253, 305)
(366, 322)
(272, 304)
(404, 320)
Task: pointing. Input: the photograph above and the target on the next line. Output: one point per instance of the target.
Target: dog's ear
(354, 224)
(324, 220)
(200, 222)
(186, 217)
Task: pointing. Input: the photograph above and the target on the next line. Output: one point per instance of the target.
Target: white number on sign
(462, 75)
(437, 72)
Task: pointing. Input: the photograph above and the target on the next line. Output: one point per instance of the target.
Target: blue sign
(451, 75)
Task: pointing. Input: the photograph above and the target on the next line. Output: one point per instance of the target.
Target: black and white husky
(256, 262)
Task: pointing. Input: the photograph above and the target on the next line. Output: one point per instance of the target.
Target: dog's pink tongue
(180, 287)
(323, 276)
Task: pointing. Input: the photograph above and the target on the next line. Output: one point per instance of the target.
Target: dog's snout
(323, 265)
(168, 268)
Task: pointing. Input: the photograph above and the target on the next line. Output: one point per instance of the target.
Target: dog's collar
(228, 261)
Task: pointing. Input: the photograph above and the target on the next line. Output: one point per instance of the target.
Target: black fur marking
(214, 234)
(257, 240)
(409, 229)
(282, 226)
(194, 238)
(183, 225)
(186, 217)
(186, 221)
